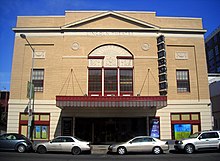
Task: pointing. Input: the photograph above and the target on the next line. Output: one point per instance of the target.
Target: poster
(44, 132)
(182, 131)
(155, 127)
(37, 132)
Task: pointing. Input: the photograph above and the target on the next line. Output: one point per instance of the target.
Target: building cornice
(58, 29)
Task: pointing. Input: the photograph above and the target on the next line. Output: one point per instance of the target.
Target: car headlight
(180, 142)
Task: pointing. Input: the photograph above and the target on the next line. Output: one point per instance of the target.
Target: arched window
(110, 71)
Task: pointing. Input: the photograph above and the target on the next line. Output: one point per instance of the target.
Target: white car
(204, 140)
(140, 144)
(64, 144)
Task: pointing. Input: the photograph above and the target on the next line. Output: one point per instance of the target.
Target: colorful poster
(37, 132)
(44, 132)
(182, 131)
(155, 127)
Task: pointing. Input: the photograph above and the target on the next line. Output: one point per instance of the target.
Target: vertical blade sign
(162, 65)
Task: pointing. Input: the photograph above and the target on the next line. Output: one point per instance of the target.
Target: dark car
(13, 141)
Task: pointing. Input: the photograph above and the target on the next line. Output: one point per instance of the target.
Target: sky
(208, 10)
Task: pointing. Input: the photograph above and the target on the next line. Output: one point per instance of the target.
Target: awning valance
(111, 101)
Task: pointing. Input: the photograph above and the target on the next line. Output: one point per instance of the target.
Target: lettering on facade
(181, 55)
(109, 33)
(39, 54)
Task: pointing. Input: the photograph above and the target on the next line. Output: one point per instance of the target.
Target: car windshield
(195, 135)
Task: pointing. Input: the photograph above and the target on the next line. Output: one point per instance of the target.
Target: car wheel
(189, 149)
(157, 150)
(41, 149)
(21, 148)
(121, 150)
(76, 151)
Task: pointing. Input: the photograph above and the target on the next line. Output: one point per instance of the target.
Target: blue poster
(155, 128)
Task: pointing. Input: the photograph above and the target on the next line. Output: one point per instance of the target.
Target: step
(99, 149)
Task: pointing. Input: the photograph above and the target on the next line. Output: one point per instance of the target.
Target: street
(14, 156)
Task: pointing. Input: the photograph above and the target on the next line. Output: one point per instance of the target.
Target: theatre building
(106, 76)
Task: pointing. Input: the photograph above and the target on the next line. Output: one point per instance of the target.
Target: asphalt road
(14, 156)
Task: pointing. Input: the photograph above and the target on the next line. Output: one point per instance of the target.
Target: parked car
(64, 144)
(140, 144)
(204, 140)
(13, 141)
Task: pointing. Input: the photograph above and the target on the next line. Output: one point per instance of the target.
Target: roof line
(110, 13)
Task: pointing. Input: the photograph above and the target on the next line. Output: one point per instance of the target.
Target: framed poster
(154, 127)
(182, 131)
(44, 132)
(37, 132)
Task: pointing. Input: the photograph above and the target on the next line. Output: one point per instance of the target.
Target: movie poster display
(155, 127)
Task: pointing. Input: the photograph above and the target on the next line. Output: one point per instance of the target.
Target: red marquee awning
(111, 101)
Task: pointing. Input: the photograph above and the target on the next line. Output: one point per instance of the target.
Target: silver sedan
(140, 144)
(64, 144)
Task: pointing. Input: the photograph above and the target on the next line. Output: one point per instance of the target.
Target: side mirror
(200, 138)
(130, 142)
(51, 141)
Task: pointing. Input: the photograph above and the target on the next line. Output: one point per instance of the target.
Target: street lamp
(30, 116)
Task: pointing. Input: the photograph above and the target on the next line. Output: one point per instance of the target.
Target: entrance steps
(99, 149)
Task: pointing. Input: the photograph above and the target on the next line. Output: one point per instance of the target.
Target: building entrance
(109, 130)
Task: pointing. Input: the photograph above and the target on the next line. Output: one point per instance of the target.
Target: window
(216, 50)
(126, 80)
(149, 140)
(68, 140)
(218, 69)
(38, 79)
(138, 140)
(184, 124)
(116, 81)
(57, 140)
(95, 80)
(40, 132)
(211, 54)
(110, 80)
(182, 77)
(41, 122)
(209, 135)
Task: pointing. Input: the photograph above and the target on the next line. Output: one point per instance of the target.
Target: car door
(135, 145)
(3, 142)
(208, 140)
(10, 141)
(67, 144)
(148, 144)
(213, 140)
(55, 144)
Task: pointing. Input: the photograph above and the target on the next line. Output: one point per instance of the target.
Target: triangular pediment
(110, 20)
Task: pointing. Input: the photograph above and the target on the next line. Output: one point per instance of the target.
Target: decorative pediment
(110, 20)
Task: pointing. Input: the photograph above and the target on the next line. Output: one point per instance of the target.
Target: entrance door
(109, 130)
(67, 126)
